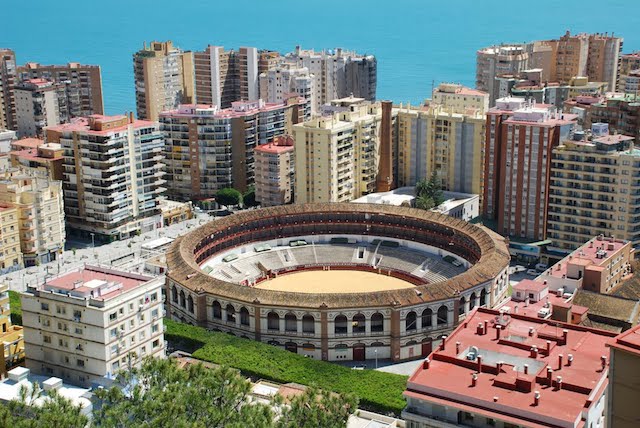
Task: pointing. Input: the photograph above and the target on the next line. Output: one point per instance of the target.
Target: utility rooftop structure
(511, 370)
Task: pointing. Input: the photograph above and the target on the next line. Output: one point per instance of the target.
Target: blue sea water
(416, 42)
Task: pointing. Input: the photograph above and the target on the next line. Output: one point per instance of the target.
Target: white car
(533, 272)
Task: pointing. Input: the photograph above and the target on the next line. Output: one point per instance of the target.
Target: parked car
(541, 267)
(359, 367)
(532, 272)
(518, 269)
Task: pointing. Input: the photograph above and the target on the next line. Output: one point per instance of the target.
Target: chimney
(534, 351)
(486, 326)
(498, 328)
(569, 359)
(548, 347)
(474, 379)
(457, 348)
(443, 344)
(559, 382)
(560, 357)
(565, 333)
(603, 362)
(526, 368)
(479, 358)
(479, 329)
(425, 363)
(131, 117)
(536, 398)
(549, 376)
(531, 330)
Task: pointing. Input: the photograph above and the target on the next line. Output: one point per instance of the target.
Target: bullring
(409, 277)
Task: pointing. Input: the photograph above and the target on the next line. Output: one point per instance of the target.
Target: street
(127, 251)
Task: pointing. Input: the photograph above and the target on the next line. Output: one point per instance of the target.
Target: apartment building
(519, 139)
(225, 76)
(621, 112)
(460, 99)
(79, 86)
(6, 138)
(11, 336)
(286, 79)
(337, 74)
(534, 374)
(274, 171)
(208, 149)
(7, 81)
(624, 380)
(164, 78)
(434, 138)
(594, 56)
(594, 188)
(531, 86)
(92, 322)
(10, 251)
(37, 158)
(36, 103)
(628, 63)
(632, 82)
(113, 175)
(40, 210)
(338, 155)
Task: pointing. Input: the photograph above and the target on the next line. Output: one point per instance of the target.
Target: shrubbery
(378, 391)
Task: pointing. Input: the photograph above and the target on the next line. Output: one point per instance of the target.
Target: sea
(418, 43)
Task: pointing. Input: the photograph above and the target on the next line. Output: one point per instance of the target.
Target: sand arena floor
(334, 281)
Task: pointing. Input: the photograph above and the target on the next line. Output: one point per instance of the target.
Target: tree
(55, 411)
(317, 409)
(228, 196)
(429, 192)
(159, 394)
(249, 197)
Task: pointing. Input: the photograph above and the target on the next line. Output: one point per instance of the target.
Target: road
(128, 251)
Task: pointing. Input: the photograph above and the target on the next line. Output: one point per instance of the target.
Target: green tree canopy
(228, 196)
(429, 192)
(249, 197)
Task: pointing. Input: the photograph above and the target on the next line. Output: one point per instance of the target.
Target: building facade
(90, 323)
(593, 189)
(628, 63)
(622, 113)
(338, 154)
(208, 149)
(624, 380)
(8, 79)
(337, 74)
(39, 204)
(520, 138)
(79, 87)
(274, 172)
(285, 79)
(36, 103)
(37, 159)
(10, 251)
(113, 175)
(433, 139)
(11, 336)
(164, 79)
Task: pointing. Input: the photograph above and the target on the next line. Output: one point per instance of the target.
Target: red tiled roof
(628, 341)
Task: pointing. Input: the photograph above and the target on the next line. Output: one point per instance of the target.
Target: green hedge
(378, 391)
(16, 308)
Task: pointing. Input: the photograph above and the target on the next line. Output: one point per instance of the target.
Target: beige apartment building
(36, 107)
(456, 98)
(91, 323)
(113, 175)
(40, 209)
(8, 79)
(10, 252)
(624, 380)
(207, 148)
(338, 154)
(434, 139)
(594, 188)
(164, 78)
(628, 63)
(37, 158)
(496, 61)
(274, 172)
(79, 86)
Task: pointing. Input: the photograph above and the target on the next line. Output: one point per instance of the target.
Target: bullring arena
(336, 281)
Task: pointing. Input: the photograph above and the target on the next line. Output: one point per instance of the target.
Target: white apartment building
(92, 322)
(39, 204)
(113, 175)
(277, 84)
(6, 138)
(36, 107)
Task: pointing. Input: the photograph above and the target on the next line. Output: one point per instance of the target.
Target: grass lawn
(377, 391)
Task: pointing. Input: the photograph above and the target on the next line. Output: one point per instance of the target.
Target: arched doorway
(291, 347)
(358, 352)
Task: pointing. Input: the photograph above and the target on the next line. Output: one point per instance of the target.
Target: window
(78, 330)
(244, 316)
(290, 322)
(411, 321)
(80, 363)
(217, 310)
(114, 332)
(358, 323)
(340, 324)
(155, 328)
(308, 324)
(154, 314)
(61, 310)
(44, 306)
(442, 315)
(273, 321)
(377, 322)
(113, 316)
(231, 313)
(77, 315)
(156, 343)
(426, 318)
(115, 366)
(46, 339)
